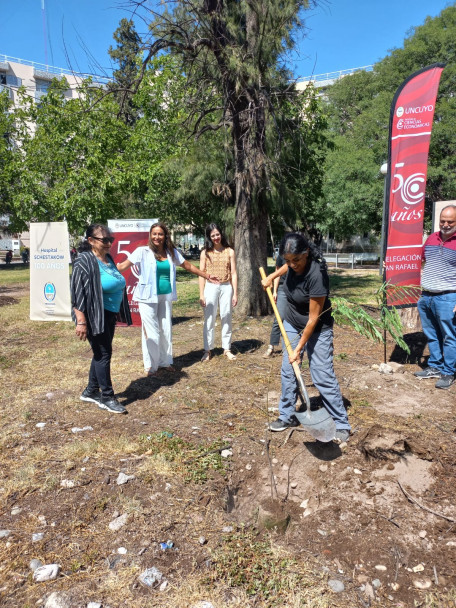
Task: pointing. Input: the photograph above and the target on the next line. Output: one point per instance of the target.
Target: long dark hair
(168, 244)
(295, 243)
(84, 245)
(208, 244)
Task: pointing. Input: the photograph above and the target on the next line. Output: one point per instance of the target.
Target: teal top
(163, 277)
(112, 284)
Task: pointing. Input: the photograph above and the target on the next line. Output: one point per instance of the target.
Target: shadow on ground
(144, 387)
(323, 451)
(416, 341)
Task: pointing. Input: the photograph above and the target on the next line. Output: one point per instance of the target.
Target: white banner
(49, 272)
(120, 226)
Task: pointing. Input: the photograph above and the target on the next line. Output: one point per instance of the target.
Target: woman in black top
(309, 325)
(98, 299)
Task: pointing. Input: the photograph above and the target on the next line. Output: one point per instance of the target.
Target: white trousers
(214, 295)
(157, 335)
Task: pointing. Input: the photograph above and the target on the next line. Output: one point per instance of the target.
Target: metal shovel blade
(318, 423)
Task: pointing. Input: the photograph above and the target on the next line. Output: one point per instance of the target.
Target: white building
(37, 78)
(322, 81)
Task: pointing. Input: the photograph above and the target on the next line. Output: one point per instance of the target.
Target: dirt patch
(6, 300)
(410, 471)
(389, 444)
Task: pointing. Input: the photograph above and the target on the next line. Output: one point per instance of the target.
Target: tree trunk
(251, 218)
(410, 319)
(250, 231)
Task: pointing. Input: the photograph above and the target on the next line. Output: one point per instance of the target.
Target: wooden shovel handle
(286, 340)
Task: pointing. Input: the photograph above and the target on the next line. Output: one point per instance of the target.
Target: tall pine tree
(127, 55)
(233, 49)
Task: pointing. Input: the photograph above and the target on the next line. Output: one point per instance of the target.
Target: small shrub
(194, 463)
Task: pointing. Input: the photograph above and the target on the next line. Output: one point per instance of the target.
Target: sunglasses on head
(104, 239)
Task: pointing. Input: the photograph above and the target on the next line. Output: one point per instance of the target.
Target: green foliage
(298, 156)
(355, 316)
(8, 152)
(171, 175)
(358, 318)
(127, 55)
(84, 163)
(69, 167)
(389, 315)
(194, 462)
(232, 56)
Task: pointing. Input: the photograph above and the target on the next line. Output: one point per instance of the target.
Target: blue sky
(341, 34)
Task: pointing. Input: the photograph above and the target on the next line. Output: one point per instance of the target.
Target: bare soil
(379, 509)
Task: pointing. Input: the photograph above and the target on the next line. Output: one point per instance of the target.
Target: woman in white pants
(155, 292)
(218, 259)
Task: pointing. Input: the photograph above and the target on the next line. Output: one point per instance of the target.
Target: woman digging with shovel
(309, 325)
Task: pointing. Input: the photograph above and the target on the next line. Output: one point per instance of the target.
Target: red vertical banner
(412, 114)
(129, 235)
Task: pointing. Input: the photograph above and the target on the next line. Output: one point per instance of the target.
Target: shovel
(319, 423)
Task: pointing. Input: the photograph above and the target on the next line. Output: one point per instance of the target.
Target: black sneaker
(428, 372)
(112, 405)
(444, 381)
(92, 396)
(281, 425)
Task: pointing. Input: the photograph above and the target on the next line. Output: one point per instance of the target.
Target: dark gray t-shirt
(299, 288)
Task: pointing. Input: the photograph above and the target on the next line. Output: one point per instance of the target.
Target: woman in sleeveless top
(218, 259)
(155, 292)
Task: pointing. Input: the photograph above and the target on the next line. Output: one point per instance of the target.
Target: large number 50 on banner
(130, 234)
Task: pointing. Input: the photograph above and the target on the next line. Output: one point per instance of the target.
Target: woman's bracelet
(81, 323)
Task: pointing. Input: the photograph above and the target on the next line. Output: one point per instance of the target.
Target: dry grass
(170, 442)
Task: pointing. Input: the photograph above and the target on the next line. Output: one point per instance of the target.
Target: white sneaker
(342, 436)
(269, 352)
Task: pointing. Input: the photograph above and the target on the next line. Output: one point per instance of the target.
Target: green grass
(194, 462)
(357, 287)
(14, 275)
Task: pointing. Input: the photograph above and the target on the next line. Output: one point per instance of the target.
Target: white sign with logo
(49, 272)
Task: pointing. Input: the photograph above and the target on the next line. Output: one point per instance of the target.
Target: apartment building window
(42, 87)
(10, 80)
(5, 84)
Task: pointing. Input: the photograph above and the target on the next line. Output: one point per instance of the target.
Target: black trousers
(100, 367)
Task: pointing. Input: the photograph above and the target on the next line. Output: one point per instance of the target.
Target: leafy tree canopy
(359, 106)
